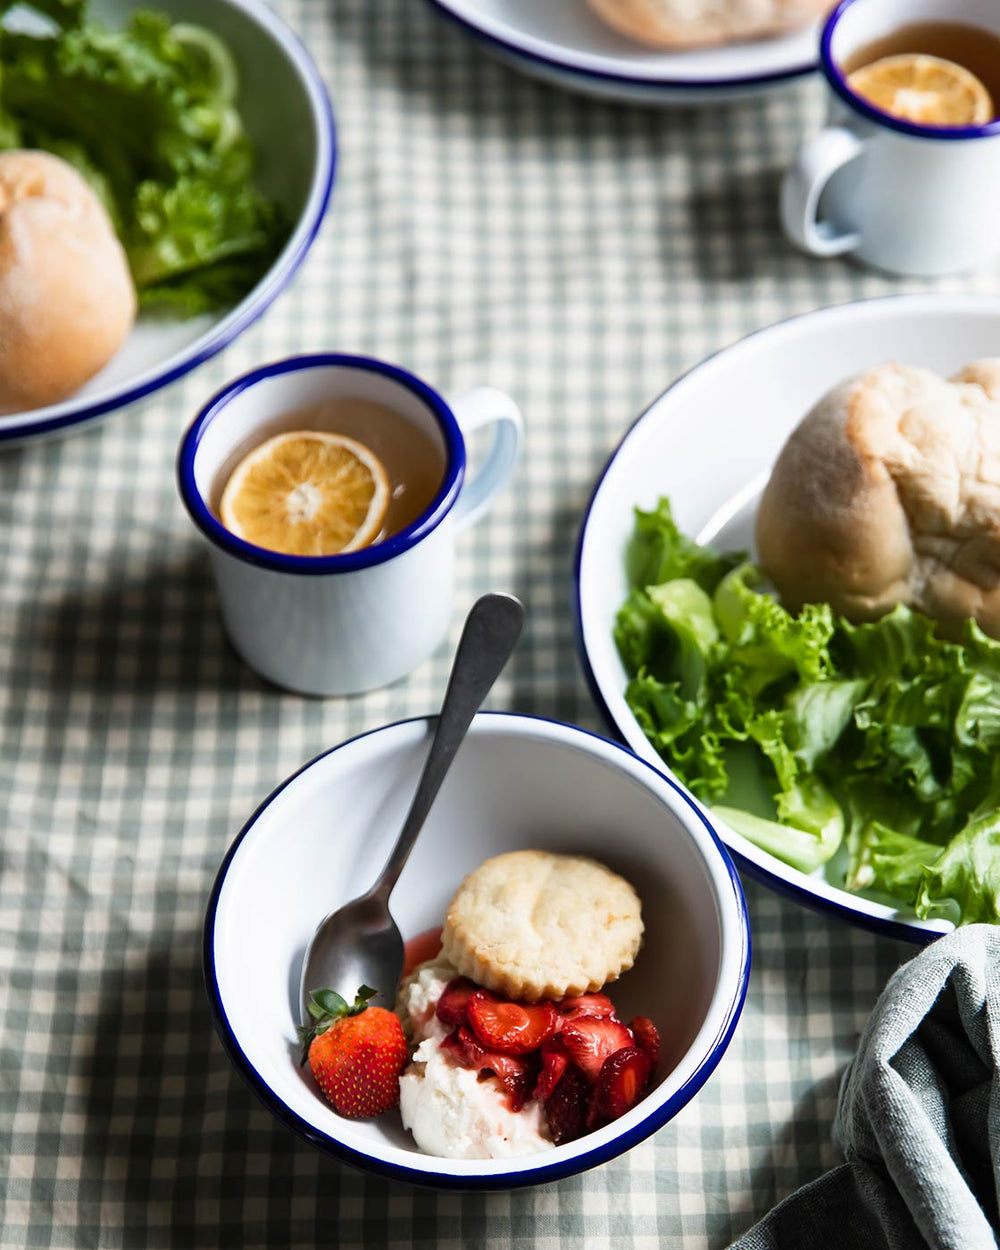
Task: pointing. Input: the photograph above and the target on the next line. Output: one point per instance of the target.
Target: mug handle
(473, 409)
(816, 161)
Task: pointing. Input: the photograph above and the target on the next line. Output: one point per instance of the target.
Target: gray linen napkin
(918, 1120)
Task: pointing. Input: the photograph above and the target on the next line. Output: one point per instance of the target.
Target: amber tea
(413, 460)
(973, 47)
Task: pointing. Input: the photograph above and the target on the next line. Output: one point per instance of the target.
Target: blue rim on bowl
(213, 529)
(838, 82)
(72, 412)
(899, 929)
(513, 49)
(536, 1175)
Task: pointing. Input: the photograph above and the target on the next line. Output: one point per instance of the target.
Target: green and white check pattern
(483, 229)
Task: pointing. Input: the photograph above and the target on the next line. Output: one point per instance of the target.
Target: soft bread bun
(67, 301)
(694, 23)
(889, 492)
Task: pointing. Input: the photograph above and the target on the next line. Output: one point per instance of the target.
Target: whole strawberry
(356, 1053)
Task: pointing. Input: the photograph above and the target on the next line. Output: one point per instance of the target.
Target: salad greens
(812, 737)
(148, 116)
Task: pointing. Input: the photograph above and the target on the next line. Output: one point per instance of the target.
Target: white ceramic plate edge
(702, 72)
(607, 680)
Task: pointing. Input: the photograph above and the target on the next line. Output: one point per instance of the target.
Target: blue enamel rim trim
(838, 83)
(275, 281)
(513, 1180)
(367, 557)
(597, 75)
(899, 929)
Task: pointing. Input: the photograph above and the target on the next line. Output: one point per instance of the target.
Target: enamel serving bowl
(708, 443)
(517, 782)
(287, 114)
(566, 45)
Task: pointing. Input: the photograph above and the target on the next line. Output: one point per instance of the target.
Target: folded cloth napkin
(918, 1120)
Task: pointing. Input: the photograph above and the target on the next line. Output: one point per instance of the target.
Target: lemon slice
(926, 89)
(307, 493)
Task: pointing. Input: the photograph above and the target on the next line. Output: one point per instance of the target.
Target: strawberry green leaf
(361, 1000)
(327, 1003)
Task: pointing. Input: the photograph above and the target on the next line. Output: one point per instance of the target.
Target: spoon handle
(492, 628)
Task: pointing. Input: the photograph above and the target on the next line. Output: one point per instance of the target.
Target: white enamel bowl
(708, 443)
(517, 782)
(564, 43)
(287, 114)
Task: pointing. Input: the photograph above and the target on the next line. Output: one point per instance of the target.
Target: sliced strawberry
(566, 1108)
(647, 1038)
(589, 1041)
(452, 1046)
(421, 948)
(555, 1061)
(515, 1073)
(451, 1006)
(598, 1005)
(513, 1028)
(622, 1082)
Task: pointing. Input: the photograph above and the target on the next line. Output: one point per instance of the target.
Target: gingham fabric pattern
(484, 228)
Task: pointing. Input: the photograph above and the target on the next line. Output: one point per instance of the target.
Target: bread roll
(889, 492)
(66, 296)
(694, 23)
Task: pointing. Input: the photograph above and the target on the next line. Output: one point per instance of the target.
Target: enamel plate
(563, 43)
(517, 783)
(291, 126)
(747, 400)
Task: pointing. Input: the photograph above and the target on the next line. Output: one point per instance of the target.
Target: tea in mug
(332, 478)
(935, 73)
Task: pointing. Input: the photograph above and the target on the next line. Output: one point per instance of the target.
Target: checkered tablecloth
(483, 229)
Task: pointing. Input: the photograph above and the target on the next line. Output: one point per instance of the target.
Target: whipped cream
(448, 1109)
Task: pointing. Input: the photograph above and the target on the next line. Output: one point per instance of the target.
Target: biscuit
(699, 23)
(533, 925)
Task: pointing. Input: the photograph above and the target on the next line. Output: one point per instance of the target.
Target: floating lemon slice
(307, 493)
(925, 89)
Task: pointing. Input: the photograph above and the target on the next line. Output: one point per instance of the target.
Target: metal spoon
(359, 944)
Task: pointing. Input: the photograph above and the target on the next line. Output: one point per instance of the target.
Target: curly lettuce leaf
(658, 552)
(64, 13)
(807, 835)
(765, 640)
(963, 885)
(819, 712)
(891, 862)
(803, 730)
(675, 728)
(195, 228)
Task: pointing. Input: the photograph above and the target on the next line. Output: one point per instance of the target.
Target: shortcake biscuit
(533, 925)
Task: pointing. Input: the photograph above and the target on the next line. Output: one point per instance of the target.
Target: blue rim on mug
(216, 533)
(838, 82)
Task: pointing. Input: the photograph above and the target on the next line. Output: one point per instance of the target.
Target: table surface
(484, 228)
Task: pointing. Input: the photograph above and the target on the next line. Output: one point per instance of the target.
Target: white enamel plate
(562, 42)
(291, 126)
(708, 443)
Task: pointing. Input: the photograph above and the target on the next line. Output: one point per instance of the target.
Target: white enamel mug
(342, 624)
(906, 198)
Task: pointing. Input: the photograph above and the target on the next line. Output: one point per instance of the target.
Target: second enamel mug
(904, 197)
(342, 624)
